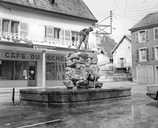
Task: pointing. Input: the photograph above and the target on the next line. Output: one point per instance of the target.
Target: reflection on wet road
(136, 112)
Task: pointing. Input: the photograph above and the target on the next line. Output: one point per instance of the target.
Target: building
(35, 36)
(122, 54)
(145, 49)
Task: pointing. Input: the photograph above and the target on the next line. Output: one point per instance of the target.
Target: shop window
(55, 69)
(15, 70)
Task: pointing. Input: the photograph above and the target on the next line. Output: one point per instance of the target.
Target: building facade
(122, 54)
(145, 49)
(35, 37)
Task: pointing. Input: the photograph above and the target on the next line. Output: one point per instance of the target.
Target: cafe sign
(55, 58)
(19, 55)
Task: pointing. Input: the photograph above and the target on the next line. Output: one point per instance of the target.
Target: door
(32, 76)
(145, 74)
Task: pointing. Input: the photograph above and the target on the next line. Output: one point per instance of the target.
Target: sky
(126, 13)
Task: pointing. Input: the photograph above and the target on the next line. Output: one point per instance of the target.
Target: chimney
(52, 1)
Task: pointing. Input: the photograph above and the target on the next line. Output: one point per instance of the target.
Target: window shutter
(0, 25)
(62, 34)
(137, 55)
(136, 37)
(153, 53)
(23, 30)
(0, 28)
(147, 35)
(147, 54)
(67, 35)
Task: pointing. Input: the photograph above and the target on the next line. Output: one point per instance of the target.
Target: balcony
(16, 38)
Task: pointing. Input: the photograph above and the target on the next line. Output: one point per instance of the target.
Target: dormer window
(31, 1)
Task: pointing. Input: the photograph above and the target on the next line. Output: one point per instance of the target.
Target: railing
(9, 36)
(15, 37)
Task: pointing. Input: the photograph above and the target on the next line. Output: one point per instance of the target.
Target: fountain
(81, 81)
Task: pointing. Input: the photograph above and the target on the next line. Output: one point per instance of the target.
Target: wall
(123, 51)
(150, 43)
(38, 21)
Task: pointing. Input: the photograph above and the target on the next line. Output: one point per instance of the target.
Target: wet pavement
(136, 112)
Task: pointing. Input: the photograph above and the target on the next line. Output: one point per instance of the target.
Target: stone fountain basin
(60, 96)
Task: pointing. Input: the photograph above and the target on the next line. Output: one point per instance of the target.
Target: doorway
(32, 74)
(156, 74)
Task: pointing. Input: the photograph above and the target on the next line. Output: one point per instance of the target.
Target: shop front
(18, 68)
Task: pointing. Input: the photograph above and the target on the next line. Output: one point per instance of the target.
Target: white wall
(123, 51)
(37, 23)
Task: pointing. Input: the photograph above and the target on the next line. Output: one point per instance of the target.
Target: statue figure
(84, 34)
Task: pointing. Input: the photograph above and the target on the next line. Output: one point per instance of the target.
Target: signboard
(55, 58)
(19, 55)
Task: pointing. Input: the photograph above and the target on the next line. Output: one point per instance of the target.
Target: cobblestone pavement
(136, 112)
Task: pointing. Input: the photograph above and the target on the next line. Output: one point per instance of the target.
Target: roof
(150, 20)
(127, 37)
(75, 8)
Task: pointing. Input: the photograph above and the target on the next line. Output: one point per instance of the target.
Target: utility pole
(104, 27)
(111, 18)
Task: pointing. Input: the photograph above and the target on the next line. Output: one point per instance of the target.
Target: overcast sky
(126, 13)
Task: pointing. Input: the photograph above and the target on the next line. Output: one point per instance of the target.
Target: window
(10, 26)
(142, 36)
(75, 36)
(155, 33)
(122, 62)
(14, 27)
(5, 25)
(56, 33)
(156, 53)
(143, 54)
(49, 32)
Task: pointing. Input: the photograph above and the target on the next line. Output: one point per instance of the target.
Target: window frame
(140, 41)
(140, 56)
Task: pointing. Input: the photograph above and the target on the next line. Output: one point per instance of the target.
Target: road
(136, 112)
